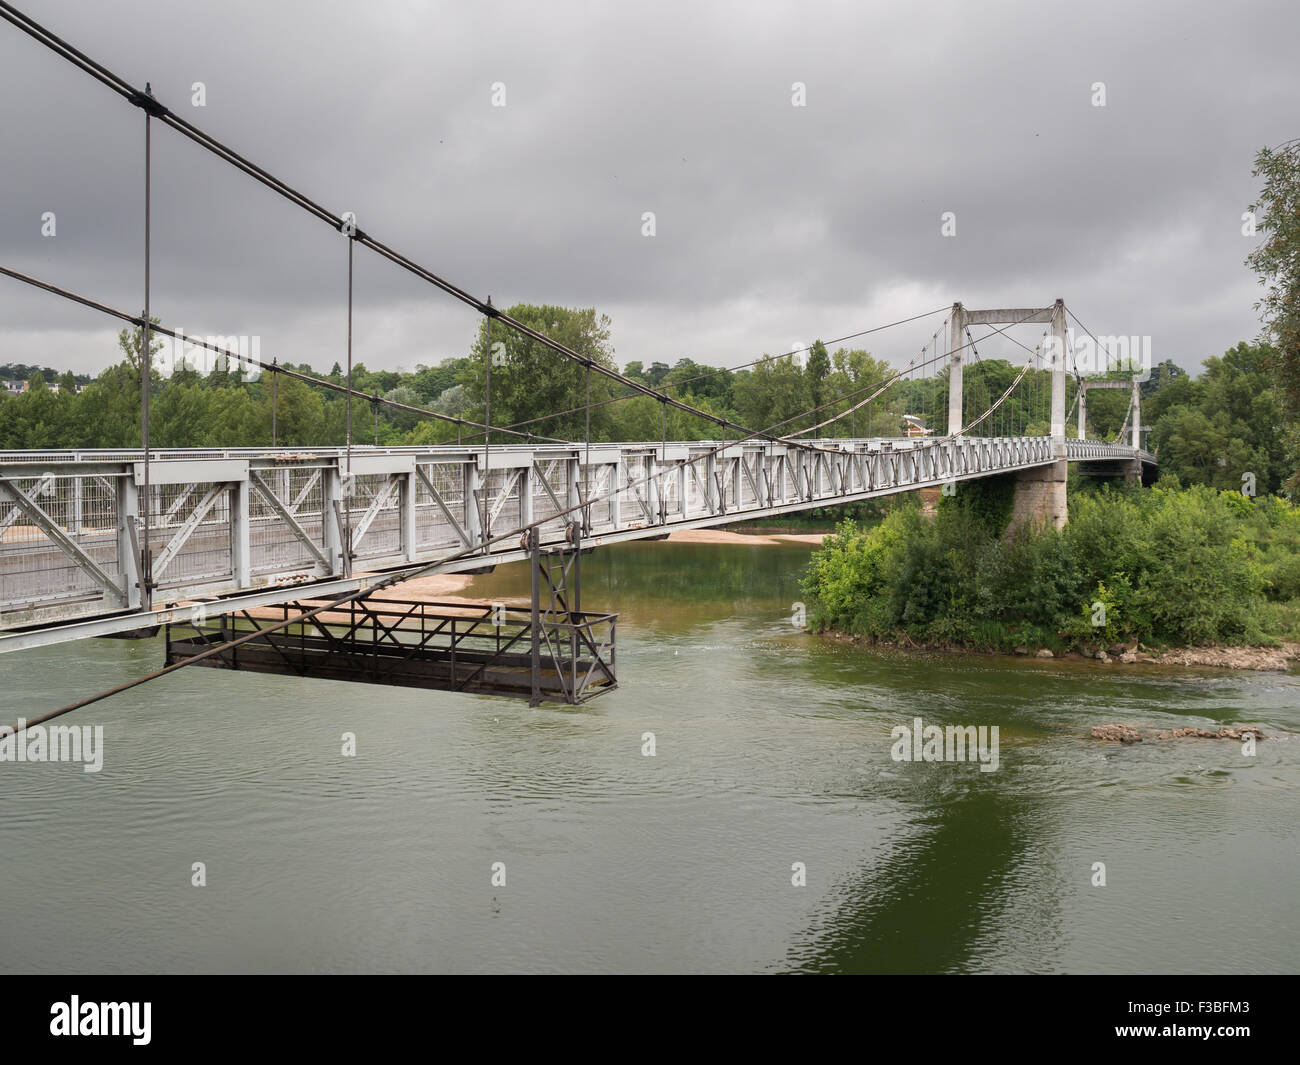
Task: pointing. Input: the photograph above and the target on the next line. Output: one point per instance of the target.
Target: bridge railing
(259, 523)
(1091, 450)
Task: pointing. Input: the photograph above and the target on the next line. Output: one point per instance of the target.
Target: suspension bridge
(269, 558)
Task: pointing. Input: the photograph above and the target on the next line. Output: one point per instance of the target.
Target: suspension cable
(273, 366)
(890, 380)
(728, 369)
(335, 221)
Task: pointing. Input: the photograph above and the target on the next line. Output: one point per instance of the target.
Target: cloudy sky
(773, 222)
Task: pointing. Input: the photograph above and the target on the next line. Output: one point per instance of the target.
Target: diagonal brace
(187, 528)
(273, 501)
(427, 481)
(12, 493)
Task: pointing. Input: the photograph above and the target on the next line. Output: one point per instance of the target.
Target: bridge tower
(961, 318)
(1040, 492)
(1136, 407)
(1133, 419)
(956, 331)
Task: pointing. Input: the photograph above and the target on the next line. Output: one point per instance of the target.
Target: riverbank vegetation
(202, 400)
(1163, 566)
(1210, 555)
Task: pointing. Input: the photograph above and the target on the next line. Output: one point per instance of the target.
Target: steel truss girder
(726, 483)
(288, 518)
(13, 494)
(441, 503)
(187, 527)
(38, 489)
(377, 503)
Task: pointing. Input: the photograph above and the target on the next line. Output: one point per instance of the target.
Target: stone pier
(1039, 497)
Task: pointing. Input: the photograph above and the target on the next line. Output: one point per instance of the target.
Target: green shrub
(1169, 565)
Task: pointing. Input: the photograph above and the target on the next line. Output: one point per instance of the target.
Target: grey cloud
(774, 222)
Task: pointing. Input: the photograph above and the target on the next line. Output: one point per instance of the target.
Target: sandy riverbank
(450, 587)
(724, 536)
(438, 588)
(444, 586)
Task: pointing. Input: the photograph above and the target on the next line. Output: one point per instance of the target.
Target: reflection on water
(675, 587)
(771, 748)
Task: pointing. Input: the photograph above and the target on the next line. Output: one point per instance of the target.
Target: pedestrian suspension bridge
(287, 560)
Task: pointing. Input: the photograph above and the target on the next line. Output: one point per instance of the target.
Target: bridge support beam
(1039, 497)
(1136, 404)
(956, 332)
(128, 541)
(1058, 380)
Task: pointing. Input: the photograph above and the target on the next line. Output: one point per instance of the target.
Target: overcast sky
(774, 223)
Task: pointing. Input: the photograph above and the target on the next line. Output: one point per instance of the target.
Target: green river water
(772, 747)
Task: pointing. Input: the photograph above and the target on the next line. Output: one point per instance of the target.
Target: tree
(453, 401)
(1162, 375)
(855, 375)
(817, 370)
(432, 381)
(772, 394)
(1277, 262)
(1225, 424)
(108, 411)
(690, 381)
(1172, 391)
(130, 341)
(530, 380)
(409, 397)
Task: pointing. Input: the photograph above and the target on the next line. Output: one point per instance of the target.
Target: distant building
(914, 426)
(17, 388)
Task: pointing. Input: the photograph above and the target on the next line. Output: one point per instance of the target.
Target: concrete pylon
(1136, 404)
(1058, 379)
(1040, 492)
(1137, 413)
(956, 332)
(1040, 497)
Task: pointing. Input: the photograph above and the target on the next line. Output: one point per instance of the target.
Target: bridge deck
(235, 528)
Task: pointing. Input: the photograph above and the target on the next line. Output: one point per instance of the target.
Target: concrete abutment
(1039, 497)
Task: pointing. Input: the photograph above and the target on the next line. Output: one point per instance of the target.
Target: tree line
(1206, 429)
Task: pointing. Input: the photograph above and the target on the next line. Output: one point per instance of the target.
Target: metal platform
(546, 651)
(443, 646)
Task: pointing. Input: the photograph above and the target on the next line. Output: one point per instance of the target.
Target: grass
(1281, 620)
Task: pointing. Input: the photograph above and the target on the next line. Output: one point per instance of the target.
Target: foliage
(988, 499)
(1224, 425)
(1276, 260)
(1209, 430)
(1168, 566)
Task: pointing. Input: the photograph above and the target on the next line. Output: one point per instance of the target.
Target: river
(772, 753)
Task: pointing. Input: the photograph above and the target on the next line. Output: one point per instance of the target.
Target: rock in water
(1116, 733)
